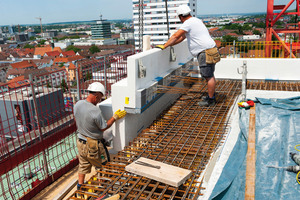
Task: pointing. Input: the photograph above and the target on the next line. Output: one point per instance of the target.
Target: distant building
(63, 44)
(50, 108)
(21, 37)
(50, 34)
(11, 30)
(101, 29)
(250, 37)
(1, 36)
(155, 20)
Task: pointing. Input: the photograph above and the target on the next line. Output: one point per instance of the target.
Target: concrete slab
(164, 173)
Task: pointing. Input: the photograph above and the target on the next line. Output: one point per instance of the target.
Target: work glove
(161, 46)
(119, 114)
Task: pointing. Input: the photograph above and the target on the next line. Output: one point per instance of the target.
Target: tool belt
(212, 55)
(93, 149)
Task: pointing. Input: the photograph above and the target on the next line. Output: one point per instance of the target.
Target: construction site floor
(186, 135)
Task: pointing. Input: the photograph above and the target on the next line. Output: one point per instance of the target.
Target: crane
(273, 16)
(40, 23)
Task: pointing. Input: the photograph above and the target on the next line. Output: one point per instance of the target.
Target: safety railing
(37, 128)
(260, 49)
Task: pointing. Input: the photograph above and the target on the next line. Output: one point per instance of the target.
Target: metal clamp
(244, 79)
(172, 55)
(142, 69)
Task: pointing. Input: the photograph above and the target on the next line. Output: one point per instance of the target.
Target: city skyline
(25, 12)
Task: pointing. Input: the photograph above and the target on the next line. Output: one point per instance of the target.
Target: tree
(32, 38)
(28, 46)
(61, 64)
(48, 84)
(94, 49)
(229, 38)
(88, 76)
(42, 42)
(71, 47)
(256, 32)
(63, 85)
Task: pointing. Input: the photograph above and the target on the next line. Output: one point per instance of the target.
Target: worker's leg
(211, 86)
(84, 164)
(208, 73)
(81, 178)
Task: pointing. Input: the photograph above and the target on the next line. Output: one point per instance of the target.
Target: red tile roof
(57, 49)
(72, 66)
(42, 50)
(52, 54)
(68, 59)
(68, 53)
(24, 64)
(213, 29)
(17, 82)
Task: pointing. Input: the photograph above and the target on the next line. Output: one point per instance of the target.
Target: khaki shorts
(85, 163)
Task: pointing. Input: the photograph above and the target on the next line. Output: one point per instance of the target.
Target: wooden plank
(251, 158)
(167, 174)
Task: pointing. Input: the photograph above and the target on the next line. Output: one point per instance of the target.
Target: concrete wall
(260, 68)
(139, 98)
(128, 93)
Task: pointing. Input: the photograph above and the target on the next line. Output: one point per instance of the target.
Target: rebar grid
(185, 135)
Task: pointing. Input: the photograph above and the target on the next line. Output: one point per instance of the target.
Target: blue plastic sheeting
(277, 132)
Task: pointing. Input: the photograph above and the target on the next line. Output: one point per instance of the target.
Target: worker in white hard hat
(199, 41)
(91, 124)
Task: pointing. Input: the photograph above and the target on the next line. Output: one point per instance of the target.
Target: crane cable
(167, 17)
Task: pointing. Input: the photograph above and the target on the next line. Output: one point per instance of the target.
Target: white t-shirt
(197, 35)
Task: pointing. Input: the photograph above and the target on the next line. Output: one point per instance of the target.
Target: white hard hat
(96, 87)
(183, 10)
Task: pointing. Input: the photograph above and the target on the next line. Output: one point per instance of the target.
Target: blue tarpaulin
(277, 132)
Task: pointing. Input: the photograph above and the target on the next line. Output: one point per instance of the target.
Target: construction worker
(90, 124)
(198, 40)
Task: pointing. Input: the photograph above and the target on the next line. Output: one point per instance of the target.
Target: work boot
(206, 97)
(207, 102)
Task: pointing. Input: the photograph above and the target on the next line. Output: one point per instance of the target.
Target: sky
(13, 12)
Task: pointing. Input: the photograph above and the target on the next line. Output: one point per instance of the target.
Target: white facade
(154, 20)
(251, 37)
(63, 44)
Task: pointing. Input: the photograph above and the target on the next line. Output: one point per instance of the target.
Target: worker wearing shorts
(198, 40)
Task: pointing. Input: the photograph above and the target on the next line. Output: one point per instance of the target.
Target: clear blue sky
(24, 11)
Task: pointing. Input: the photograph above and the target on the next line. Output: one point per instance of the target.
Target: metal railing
(260, 49)
(37, 128)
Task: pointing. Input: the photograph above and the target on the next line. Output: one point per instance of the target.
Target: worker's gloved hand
(161, 46)
(119, 114)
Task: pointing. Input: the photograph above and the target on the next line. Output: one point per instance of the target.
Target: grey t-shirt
(89, 120)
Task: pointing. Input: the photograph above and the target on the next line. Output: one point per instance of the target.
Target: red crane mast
(276, 12)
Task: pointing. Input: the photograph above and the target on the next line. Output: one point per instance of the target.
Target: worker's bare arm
(176, 38)
(109, 124)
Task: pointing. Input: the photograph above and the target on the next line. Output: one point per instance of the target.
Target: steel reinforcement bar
(185, 135)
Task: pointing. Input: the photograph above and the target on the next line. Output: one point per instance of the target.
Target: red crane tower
(273, 16)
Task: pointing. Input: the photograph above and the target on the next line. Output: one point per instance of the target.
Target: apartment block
(155, 21)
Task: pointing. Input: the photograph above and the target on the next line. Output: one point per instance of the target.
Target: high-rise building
(150, 19)
(101, 29)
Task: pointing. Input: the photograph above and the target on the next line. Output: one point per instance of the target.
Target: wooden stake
(251, 158)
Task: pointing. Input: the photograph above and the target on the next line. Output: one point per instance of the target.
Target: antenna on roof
(100, 17)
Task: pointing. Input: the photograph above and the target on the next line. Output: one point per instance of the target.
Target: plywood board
(167, 174)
